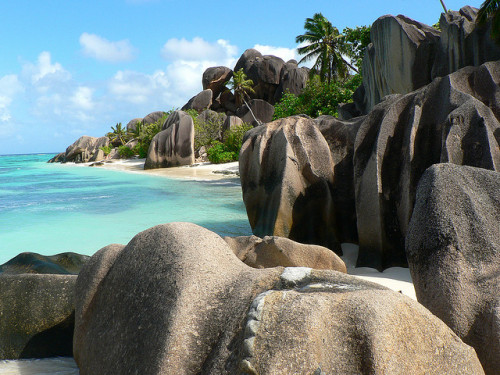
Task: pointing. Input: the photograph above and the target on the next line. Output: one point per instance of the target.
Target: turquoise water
(54, 208)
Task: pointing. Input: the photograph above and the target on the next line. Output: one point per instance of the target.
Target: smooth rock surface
(453, 249)
(63, 264)
(200, 101)
(273, 251)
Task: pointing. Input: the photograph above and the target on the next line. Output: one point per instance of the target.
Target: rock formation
(36, 315)
(453, 249)
(63, 264)
(174, 145)
(215, 79)
(272, 251)
(83, 150)
(262, 110)
(176, 300)
(406, 55)
(454, 119)
(286, 173)
(292, 79)
(200, 101)
(132, 124)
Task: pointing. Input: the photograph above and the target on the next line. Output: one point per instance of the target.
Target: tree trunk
(251, 112)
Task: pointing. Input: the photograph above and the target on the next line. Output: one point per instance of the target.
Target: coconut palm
(325, 44)
(490, 9)
(241, 86)
(118, 134)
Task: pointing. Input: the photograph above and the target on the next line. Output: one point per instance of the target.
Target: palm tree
(490, 9)
(118, 135)
(325, 44)
(241, 87)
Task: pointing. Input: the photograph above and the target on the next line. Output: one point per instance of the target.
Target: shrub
(218, 153)
(106, 149)
(207, 131)
(318, 98)
(229, 150)
(125, 152)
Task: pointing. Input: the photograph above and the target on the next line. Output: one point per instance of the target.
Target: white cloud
(9, 88)
(197, 49)
(45, 75)
(282, 52)
(102, 49)
(82, 98)
(138, 88)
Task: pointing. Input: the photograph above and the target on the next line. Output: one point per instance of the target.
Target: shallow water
(48, 366)
(54, 208)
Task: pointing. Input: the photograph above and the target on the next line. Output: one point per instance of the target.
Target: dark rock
(230, 122)
(273, 251)
(86, 149)
(286, 172)
(292, 79)
(340, 136)
(132, 124)
(59, 158)
(262, 110)
(176, 300)
(64, 264)
(173, 146)
(454, 119)
(200, 102)
(37, 315)
(228, 101)
(215, 79)
(153, 117)
(453, 249)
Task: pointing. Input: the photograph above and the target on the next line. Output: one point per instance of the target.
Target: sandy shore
(396, 278)
(198, 171)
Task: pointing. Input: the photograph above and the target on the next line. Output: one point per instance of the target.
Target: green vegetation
(208, 130)
(331, 81)
(229, 150)
(490, 10)
(118, 135)
(106, 149)
(126, 152)
(241, 86)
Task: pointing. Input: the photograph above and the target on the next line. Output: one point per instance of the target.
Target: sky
(73, 68)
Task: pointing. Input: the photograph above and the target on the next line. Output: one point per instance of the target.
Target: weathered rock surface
(286, 173)
(64, 264)
(200, 101)
(264, 71)
(36, 315)
(454, 119)
(215, 78)
(174, 145)
(83, 150)
(153, 117)
(462, 43)
(176, 297)
(292, 79)
(453, 249)
(340, 136)
(262, 110)
(230, 122)
(176, 300)
(272, 251)
(419, 53)
(132, 124)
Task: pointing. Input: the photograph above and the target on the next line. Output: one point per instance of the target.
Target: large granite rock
(84, 149)
(63, 264)
(37, 315)
(132, 124)
(462, 42)
(453, 249)
(176, 300)
(200, 101)
(215, 78)
(340, 136)
(292, 79)
(171, 302)
(174, 145)
(454, 119)
(264, 71)
(152, 117)
(399, 59)
(272, 251)
(405, 55)
(262, 110)
(286, 173)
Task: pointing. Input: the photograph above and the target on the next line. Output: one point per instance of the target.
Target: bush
(229, 150)
(207, 131)
(318, 98)
(125, 152)
(106, 149)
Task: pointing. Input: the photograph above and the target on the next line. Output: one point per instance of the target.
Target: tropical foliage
(490, 10)
(326, 45)
(229, 150)
(241, 86)
(118, 135)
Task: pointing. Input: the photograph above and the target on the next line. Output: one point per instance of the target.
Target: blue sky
(72, 68)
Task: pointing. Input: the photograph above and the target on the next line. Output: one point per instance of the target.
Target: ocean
(54, 208)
